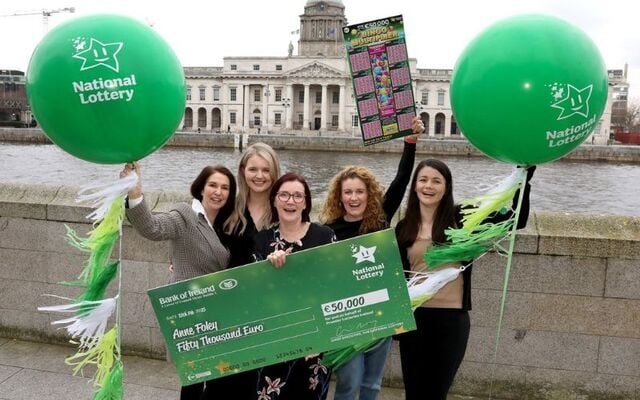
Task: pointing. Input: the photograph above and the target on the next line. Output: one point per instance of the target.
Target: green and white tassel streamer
(91, 311)
(89, 324)
(476, 237)
(498, 199)
(112, 387)
(103, 356)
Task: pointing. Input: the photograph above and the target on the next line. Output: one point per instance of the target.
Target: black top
(494, 218)
(392, 198)
(241, 245)
(269, 240)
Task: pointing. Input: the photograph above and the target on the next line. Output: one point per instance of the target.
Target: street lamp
(286, 103)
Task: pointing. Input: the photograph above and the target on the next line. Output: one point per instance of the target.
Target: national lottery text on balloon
(105, 89)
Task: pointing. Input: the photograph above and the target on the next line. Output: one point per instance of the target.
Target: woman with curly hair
(356, 205)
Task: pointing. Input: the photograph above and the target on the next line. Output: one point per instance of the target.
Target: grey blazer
(195, 247)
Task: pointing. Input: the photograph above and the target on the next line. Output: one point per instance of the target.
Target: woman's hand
(136, 192)
(278, 257)
(417, 126)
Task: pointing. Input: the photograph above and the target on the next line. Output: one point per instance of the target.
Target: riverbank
(427, 145)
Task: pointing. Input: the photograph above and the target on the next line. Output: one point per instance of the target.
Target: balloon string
(119, 298)
(505, 285)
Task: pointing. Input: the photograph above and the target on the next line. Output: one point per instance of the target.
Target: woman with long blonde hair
(258, 170)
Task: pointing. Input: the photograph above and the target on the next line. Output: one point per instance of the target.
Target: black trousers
(241, 386)
(431, 355)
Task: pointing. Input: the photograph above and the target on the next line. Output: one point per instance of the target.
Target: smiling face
(290, 202)
(430, 186)
(354, 196)
(215, 192)
(257, 174)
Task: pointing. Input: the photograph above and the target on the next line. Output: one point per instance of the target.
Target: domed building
(309, 93)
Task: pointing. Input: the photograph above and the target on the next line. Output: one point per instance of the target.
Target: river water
(576, 187)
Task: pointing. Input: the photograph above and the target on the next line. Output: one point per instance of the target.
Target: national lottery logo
(97, 53)
(570, 100)
(362, 254)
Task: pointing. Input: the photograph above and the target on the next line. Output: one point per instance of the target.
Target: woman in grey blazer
(193, 230)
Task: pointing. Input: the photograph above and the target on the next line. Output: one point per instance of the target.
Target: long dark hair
(444, 217)
(290, 177)
(222, 219)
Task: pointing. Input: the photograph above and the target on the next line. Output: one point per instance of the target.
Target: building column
(289, 110)
(224, 118)
(209, 119)
(341, 107)
(323, 110)
(265, 108)
(447, 125)
(245, 119)
(432, 125)
(305, 119)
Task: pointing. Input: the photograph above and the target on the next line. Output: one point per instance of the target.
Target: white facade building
(309, 93)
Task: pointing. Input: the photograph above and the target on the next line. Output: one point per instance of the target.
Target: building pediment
(315, 70)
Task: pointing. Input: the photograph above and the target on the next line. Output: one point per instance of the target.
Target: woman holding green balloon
(431, 355)
(194, 231)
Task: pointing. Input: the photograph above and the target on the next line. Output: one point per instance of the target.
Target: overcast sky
(202, 33)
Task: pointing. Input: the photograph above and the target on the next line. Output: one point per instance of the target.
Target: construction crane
(45, 15)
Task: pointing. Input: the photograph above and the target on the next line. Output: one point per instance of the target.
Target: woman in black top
(431, 354)
(258, 169)
(290, 199)
(355, 206)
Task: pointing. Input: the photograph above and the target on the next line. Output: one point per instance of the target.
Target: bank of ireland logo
(570, 100)
(361, 253)
(97, 53)
(228, 284)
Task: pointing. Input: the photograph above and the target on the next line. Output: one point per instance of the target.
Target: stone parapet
(571, 326)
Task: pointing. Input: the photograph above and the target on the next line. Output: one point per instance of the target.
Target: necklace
(296, 236)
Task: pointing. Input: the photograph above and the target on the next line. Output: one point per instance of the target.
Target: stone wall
(571, 327)
(431, 146)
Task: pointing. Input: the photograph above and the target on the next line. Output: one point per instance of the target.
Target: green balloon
(529, 89)
(106, 88)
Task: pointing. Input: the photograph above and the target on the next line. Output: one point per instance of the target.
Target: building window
(278, 94)
(232, 117)
(301, 96)
(278, 67)
(301, 119)
(234, 67)
(354, 120)
(256, 95)
(202, 93)
(318, 97)
(188, 93)
(334, 120)
(216, 93)
(256, 67)
(335, 98)
(233, 94)
(256, 120)
(440, 97)
(278, 118)
(424, 98)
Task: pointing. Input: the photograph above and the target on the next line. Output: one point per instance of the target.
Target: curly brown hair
(374, 218)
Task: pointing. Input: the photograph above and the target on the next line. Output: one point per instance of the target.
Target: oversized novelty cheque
(324, 298)
(381, 78)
